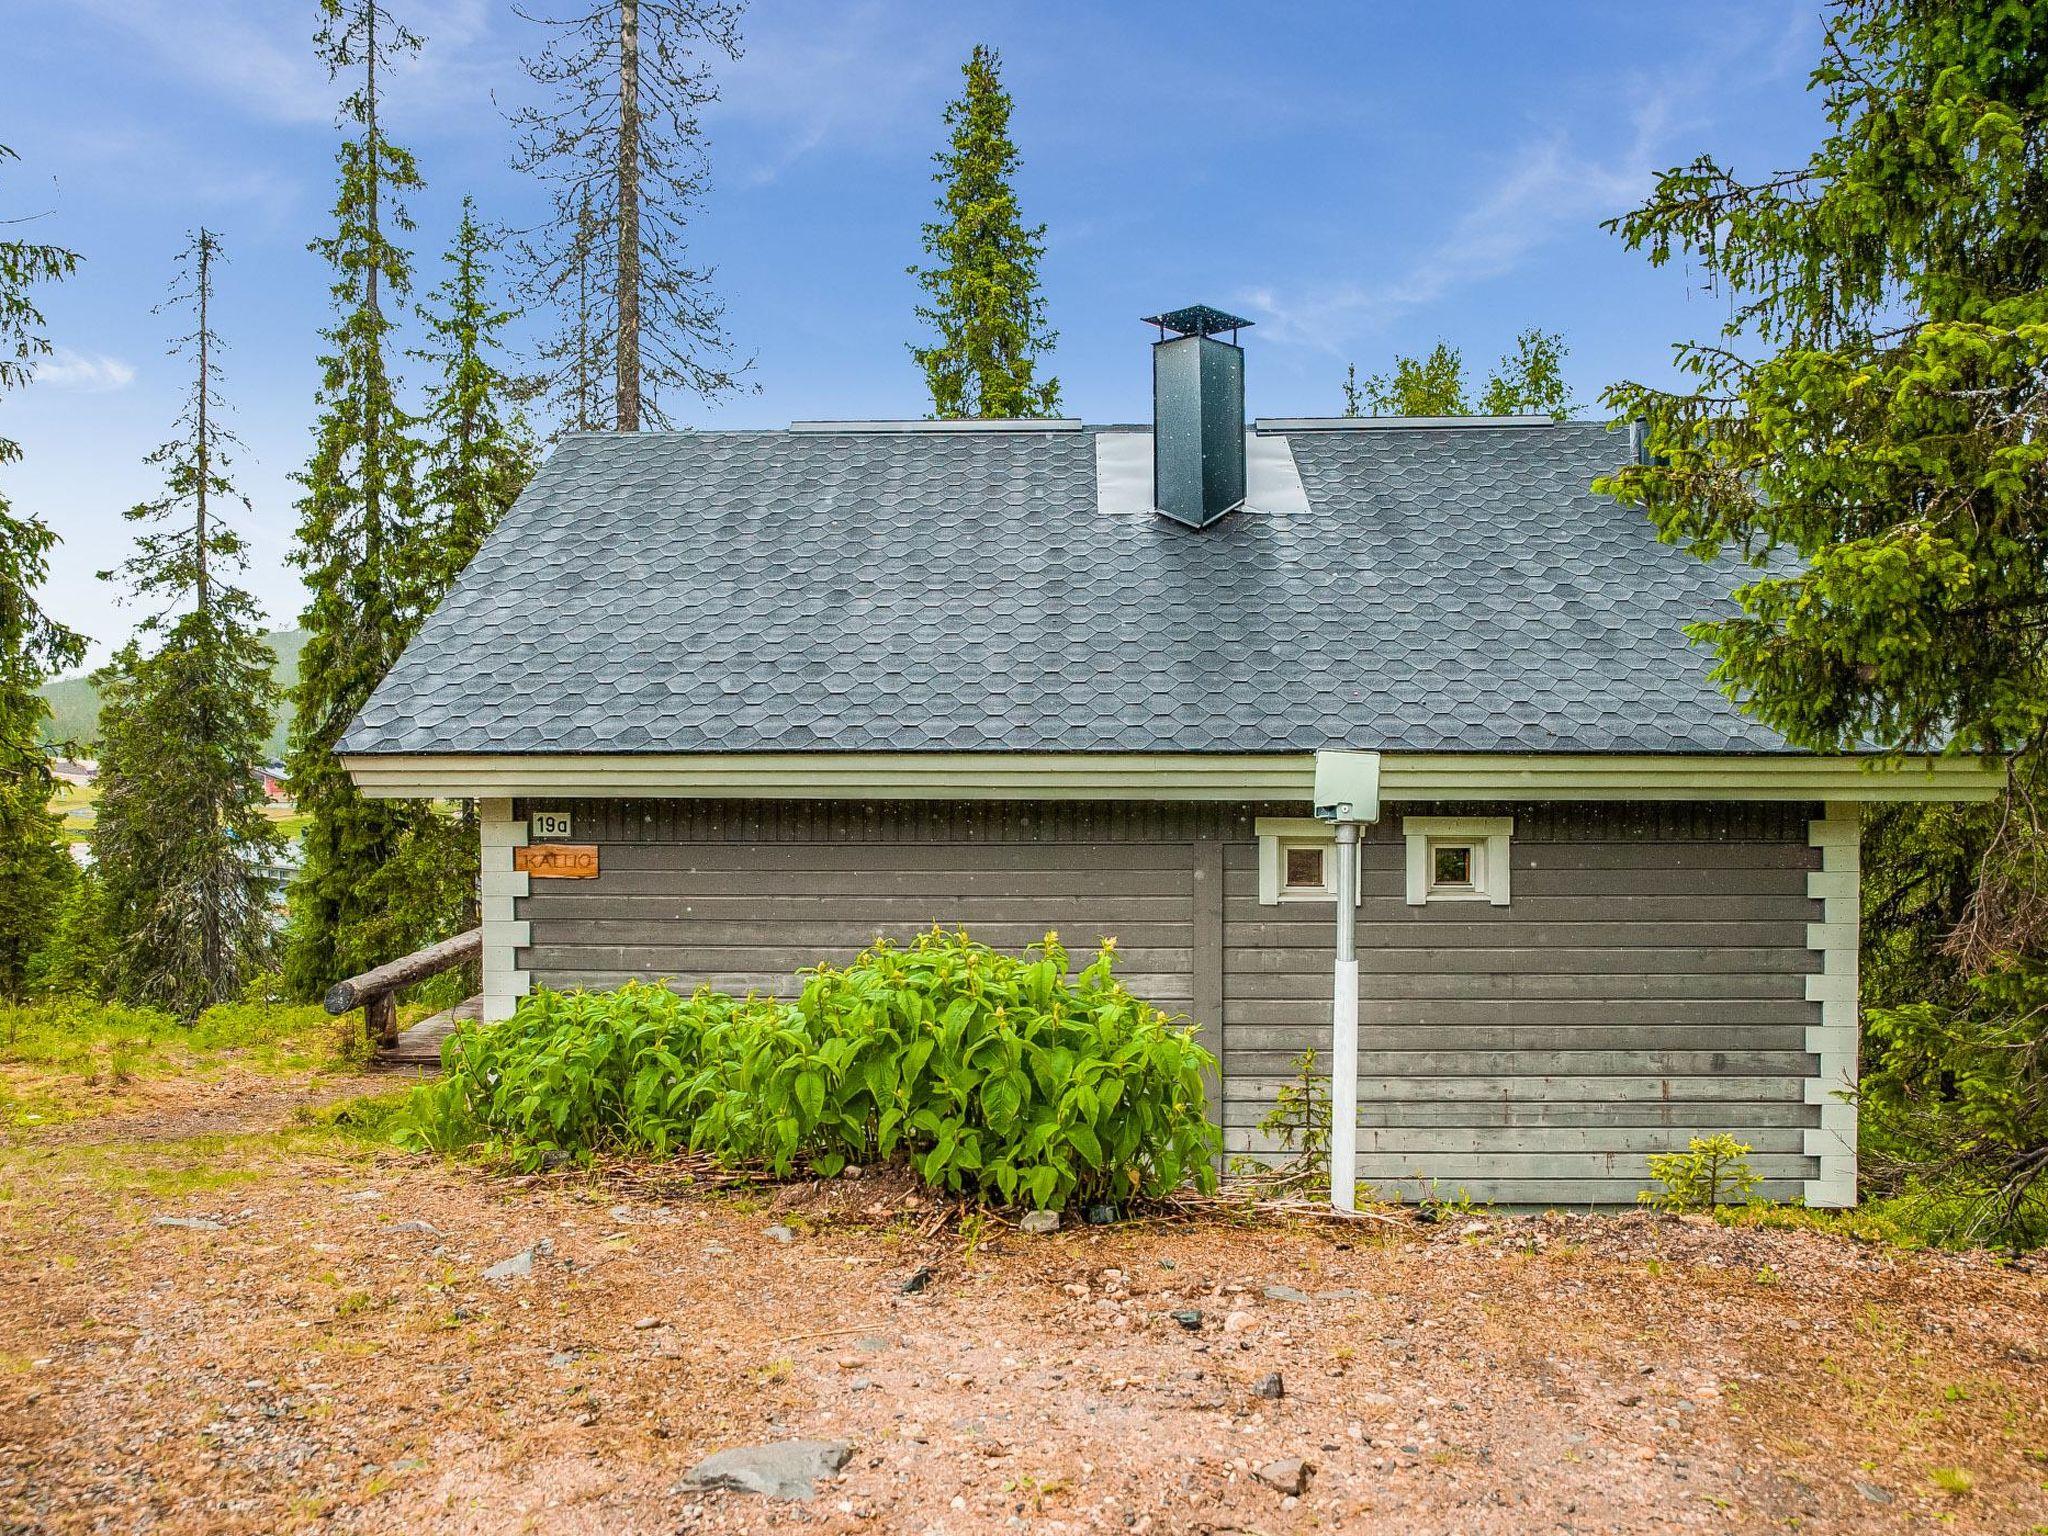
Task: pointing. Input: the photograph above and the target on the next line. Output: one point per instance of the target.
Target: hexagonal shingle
(1450, 589)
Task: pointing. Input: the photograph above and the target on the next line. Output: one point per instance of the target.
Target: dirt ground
(322, 1351)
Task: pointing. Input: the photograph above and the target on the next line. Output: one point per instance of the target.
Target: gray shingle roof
(1449, 589)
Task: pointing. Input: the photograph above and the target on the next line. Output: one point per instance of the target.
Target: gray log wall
(1646, 984)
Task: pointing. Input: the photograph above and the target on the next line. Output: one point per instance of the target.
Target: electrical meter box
(1347, 786)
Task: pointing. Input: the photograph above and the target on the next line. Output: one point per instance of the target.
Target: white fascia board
(1281, 776)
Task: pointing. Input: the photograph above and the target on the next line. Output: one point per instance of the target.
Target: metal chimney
(1197, 415)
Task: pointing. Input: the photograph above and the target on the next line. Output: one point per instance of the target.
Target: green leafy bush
(1712, 1171)
(1000, 1076)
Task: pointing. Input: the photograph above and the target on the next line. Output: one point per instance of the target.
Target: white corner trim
(502, 885)
(1838, 836)
(1495, 831)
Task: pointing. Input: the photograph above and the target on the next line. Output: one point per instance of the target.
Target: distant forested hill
(75, 702)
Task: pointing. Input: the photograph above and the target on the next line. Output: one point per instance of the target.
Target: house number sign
(551, 824)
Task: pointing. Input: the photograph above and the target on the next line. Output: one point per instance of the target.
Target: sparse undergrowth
(65, 1057)
(300, 1290)
(1001, 1077)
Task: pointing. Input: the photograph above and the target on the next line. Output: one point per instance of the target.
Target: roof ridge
(1405, 423)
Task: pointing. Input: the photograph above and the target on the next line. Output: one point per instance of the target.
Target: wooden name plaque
(557, 861)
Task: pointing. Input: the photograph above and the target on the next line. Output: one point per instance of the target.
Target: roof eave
(1277, 776)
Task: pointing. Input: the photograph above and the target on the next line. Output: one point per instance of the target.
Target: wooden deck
(418, 1051)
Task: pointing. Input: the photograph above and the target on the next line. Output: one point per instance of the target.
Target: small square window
(1457, 858)
(1305, 867)
(1453, 866)
(1297, 860)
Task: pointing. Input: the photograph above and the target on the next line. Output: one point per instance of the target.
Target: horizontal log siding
(1646, 985)
(741, 895)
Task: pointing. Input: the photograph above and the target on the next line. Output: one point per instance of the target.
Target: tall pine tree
(359, 543)
(982, 284)
(183, 848)
(34, 867)
(621, 150)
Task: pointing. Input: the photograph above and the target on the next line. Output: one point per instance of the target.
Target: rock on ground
(787, 1469)
(1291, 1476)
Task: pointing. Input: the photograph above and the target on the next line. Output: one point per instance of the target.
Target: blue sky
(1360, 179)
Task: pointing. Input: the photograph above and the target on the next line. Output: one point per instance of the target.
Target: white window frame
(1276, 835)
(1489, 838)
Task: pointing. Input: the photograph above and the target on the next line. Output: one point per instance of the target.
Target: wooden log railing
(376, 991)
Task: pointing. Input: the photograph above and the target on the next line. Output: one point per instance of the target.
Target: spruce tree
(477, 454)
(620, 148)
(35, 869)
(358, 541)
(982, 283)
(183, 849)
(76, 960)
(1873, 414)
(477, 457)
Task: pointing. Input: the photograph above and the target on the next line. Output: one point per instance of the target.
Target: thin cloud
(847, 77)
(1545, 189)
(88, 373)
(258, 54)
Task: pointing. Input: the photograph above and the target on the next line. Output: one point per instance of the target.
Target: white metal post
(1344, 1028)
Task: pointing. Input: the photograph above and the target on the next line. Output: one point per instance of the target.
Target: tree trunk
(585, 237)
(203, 598)
(373, 478)
(628, 349)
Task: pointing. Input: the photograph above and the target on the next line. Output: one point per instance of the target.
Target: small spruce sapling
(1711, 1172)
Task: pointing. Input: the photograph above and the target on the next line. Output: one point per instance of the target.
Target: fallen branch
(1291, 1207)
(687, 1172)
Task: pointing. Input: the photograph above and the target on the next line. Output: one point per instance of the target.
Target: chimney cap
(1197, 320)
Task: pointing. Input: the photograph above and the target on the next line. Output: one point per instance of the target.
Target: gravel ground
(320, 1349)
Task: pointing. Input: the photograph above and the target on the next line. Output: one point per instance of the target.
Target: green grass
(33, 1179)
(1954, 1481)
(78, 804)
(72, 1034)
(76, 1055)
(1916, 1219)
